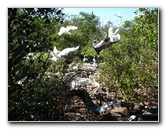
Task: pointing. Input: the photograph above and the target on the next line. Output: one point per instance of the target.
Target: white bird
(74, 83)
(58, 54)
(93, 81)
(119, 15)
(96, 83)
(94, 59)
(114, 37)
(77, 82)
(85, 59)
(66, 30)
(94, 63)
(55, 53)
(131, 118)
(66, 51)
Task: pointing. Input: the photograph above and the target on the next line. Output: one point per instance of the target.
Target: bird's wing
(70, 27)
(67, 50)
(61, 31)
(110, 32)
(116, 38)
(116, 31)
(55, 50)
(77, 47)
(102, 42)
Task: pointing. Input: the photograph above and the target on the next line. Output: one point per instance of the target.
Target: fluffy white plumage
(77, 82)
(83, 81)
(65, 30)
(114, 37)
(58, 54)
(94, 60)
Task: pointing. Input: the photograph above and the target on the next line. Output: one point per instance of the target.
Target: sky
(106, 14)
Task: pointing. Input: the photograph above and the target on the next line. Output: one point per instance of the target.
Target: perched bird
(85, 59)
(113, 37)
(55, 53)
(58, 54)
(77, 82)
(94, 60)
(83, 81)
(66, 30)
(119, 15)
(96, 83)
(74, 83)
(94, 63)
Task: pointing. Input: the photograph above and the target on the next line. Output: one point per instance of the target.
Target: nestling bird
(77, 82)
(94, 59)
(85, 59)
(66, 30)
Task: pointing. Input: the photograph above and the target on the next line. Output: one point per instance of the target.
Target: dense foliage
(127, 66)
(132, 64)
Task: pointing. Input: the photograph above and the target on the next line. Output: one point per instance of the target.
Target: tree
(132, 64)
(30, 91)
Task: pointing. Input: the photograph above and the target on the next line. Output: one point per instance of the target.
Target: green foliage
(37, 89)
(30, 90)
(132, 63)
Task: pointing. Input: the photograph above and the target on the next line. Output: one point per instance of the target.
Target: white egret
(113, 37)
(80, 82)
(96, 83)
(66, 30)
(85, 59)
(119, 15)
(83, 81)
(74, 83)
(77, 82)
(55, 53)
(58, 54)
(94, 63)
(66, 51)
(94, 59)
